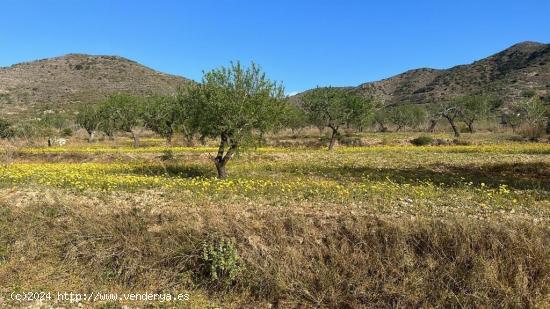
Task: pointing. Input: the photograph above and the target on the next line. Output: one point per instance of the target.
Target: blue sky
(302, 43)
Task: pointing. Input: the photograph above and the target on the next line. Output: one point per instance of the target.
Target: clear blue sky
(302, 43)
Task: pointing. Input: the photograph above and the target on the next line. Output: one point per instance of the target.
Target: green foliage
(125, 110)
(161, 115)
(89, 118)
(167, 155)
(294, 117)
(54, 120)
(6, 130)
(533, 115)
(407, 115)
(67, 132)
(221, 262)
(422, 140)
(236, 101)
(233, 104)
(473, 108)
(528, 93)
(381, 118)
(122, 112)
(184, 105)
(335, 107)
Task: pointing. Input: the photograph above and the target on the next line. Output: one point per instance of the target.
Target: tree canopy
(334, 108)
(234, 104)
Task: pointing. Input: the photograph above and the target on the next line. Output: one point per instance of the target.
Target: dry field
(388, 225)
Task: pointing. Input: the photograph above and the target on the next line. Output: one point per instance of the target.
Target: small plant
(67, 132)
(221, 262)
(6, 131)
(167, 155)
(422, 140)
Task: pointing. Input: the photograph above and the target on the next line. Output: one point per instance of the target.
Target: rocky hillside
(62, 82)
(508, 74)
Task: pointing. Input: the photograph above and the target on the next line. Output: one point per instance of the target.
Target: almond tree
(473, 108)
(407, 115)
(451, 111)
(334, 108)
(123, 112)
(234, 104)
(89, 119)
(161, 116)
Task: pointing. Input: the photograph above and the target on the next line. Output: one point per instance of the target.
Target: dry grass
(389, 226)
(291, 257)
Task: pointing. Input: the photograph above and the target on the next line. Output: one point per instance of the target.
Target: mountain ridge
(522, 66)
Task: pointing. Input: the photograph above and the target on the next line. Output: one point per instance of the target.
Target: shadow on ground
(515, 175)
(174, 170)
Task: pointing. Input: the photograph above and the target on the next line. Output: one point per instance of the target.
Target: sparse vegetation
(389, 219)
(410, 218)
(422, 140)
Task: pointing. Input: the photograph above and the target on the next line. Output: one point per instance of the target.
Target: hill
(507, 75)
(62, 82)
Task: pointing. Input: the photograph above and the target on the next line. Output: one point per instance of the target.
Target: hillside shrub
(67, 132)
(6, 130)
(422, 140)
(532, 131)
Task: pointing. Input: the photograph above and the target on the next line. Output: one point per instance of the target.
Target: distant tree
(381, 118)
(294, 118)
(512, 117)
(123, 112)
(534, 117)
(407, 115)
(89, 119)
(451, 111)
(107, 111)
(185, 103)
(54, 120)
(161, 115)
(234, 104)
(473, 108)
(433, 115)
(334, 108)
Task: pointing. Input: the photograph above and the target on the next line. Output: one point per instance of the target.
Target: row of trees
(232, 104)
(239, 104)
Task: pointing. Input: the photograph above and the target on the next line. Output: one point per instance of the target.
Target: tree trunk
(455, 129)
(398, 128)
(431, 127)
(90, 136)
(169, 139)
(382, 128)
(470, 127)
(333, 137)
(220, 167)
(135, 136)
(221, 159)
